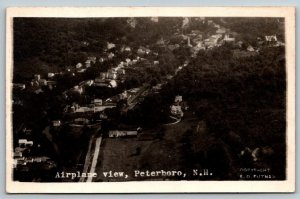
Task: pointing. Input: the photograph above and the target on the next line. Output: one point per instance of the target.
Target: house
(227, 38)
(132, 22)
(161, 42)
(37, 81)
(221, 31)
(270, 38)
(101, 59)
(112, 84)
(92, 59)
(185, 22)
(101, 76)
(24, 143)
(111, 74)
(81, 70)
(127, 49)
(42, 82)
(173, 47)
(117, 133)
(38, 91)
(240, 44)
(100, 82)
(157, 87)
(18, 155)
(80, 109)
(110, 45)
(37, 77)
(121, 71)
(19, 86)
(79, 65)
(81, 121)
(85, 43)
(176, 110)
(154, 19)
(89, 82)
(128, 60)
(142, 50)
(50, 75)
(210, 42)
(210, 22)
(110, 55)
(78, 89)
(217, 25)
(97, 102)
(102, 108)
(250, 48)
(103, 115)
(88, 63)
(178, 98)
(56, 123)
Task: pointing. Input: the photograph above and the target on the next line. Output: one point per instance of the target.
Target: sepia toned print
(154, 99)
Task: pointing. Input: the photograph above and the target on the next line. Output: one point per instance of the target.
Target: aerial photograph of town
(148, 99)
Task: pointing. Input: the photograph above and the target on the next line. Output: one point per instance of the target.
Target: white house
(178, 98)
(176, 110)
(79, 65)
(56, 123)
(227, 38)
(110, 45)
(271, 38)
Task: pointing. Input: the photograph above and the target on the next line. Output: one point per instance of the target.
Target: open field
(129, 154)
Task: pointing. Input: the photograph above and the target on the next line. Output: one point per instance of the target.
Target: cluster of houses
(95, 106)
(23, 159)
(176, 109)
(37, 83)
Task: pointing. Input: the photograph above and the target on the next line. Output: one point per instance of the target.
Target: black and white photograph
(194, 97)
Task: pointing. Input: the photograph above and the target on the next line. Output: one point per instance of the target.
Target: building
(110, 45)
(79, 65)
(38, 91)
(111, 74)
(81, 121)
(19, 86)
(127, 49)
(132, 22)
(92, 59)
(154, 19)
(88, 63)
(56, 123)
(112, 84)
(271, 38)
(81, 70)
(37, 77)
(142, 51)
(117, 133)
(178, 98)
(50, 75)
(176, 110)
(221, 31)
(121, 71)
(250, 48)
(110, 55)
(227, 38)
(24, 143)
(78, 89)
(97, 102)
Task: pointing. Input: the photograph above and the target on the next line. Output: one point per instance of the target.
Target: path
(95, 157)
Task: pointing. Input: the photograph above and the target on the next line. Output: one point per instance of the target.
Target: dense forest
(44, 45)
